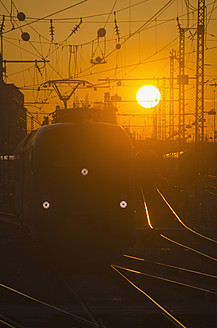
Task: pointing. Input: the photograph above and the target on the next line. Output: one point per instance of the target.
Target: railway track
(8, 322)
(182, 304)
(202, 281)
(73, 319)
(33, 295)
(172, 285)
(178, 267)
(9, 218)
(210, 185)
(190, 299)
(30, 295)
(196, 199)
(113, 303)
(174, 229)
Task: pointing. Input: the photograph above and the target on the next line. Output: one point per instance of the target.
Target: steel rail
(212, 177)
(212, 193)
(173, 241)
(167, 280)
(210, 186)
(68, 287)
(184, 225)
(9, 322)
(64, 282)
(74, 316)
(7, 214)
(9, 218)
(209, 191)
(171, 266)
(146, 209)
(167, 314)
(190, 248)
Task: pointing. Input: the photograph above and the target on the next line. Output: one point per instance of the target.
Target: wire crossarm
(72, 83)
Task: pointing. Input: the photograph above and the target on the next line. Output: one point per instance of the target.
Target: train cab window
(100, 149)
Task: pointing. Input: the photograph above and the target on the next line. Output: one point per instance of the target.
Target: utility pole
(159, 118)
(181, 84)
(199, 112)
(173, 56)
(182, 79)
(163, 107)
(1, 52)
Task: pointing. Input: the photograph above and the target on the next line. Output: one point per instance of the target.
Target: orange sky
(147, 35)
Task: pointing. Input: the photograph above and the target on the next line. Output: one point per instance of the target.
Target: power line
(159, 12)
(50, 15)
(84, 17)
(110, 13)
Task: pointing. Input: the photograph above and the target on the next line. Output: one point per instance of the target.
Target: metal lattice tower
(181, 83)
(159, 117)
(159, 121)
(163, 112)
(32, 123)
(199, 112)
(182, 79)
(171, 112)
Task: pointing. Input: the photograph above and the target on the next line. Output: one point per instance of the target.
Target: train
(75, 184)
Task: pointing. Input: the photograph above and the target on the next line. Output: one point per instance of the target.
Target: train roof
(36, 135)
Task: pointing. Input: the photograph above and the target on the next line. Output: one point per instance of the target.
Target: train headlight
(123, 204)
(84, 171)
(46, 205)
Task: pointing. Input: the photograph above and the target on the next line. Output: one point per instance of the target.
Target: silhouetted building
(13, 122)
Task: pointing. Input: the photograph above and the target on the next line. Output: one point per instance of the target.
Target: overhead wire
(87, 43)
(134, 66)
(211, 12)
(159, 12)
(127, 65)
(50, 15)
(20, 27)
(21, 57)
(56, 13)
(188, 4)
(110, 13)
(84, 17)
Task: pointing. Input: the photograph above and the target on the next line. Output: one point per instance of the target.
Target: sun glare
(148, 96)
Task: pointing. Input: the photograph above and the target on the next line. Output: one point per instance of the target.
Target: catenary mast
(199, 112)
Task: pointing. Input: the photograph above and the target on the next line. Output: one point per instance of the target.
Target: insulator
(51, 29)
(2, 24)
(117, 31)
(76, 27)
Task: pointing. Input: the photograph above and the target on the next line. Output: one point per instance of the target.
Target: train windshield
(87, 167)
(79, 159)
(76, 146)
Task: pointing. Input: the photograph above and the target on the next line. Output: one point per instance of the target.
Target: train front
(84, 178)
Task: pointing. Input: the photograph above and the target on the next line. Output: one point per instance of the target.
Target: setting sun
(148, 96)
